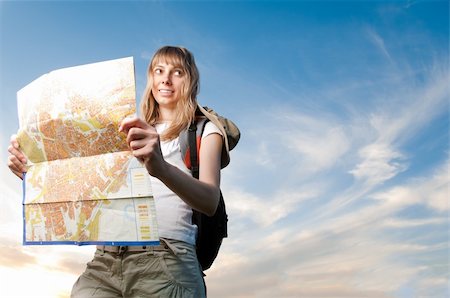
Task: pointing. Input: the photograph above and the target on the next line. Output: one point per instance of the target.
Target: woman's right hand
(16, 159)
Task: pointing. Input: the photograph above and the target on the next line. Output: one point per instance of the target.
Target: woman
(171, 269)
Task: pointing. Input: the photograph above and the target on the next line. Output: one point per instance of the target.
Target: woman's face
(168, 81)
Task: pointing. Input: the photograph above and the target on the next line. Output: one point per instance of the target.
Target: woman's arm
(203, 194)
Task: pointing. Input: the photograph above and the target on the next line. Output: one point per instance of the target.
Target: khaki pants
(170, 272)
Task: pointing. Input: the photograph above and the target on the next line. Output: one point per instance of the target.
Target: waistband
(165, 245)
(121, 249)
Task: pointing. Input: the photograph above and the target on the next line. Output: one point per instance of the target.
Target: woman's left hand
(144, 143)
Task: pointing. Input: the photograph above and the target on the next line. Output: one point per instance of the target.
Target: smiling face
(168, 83)
(171, 90)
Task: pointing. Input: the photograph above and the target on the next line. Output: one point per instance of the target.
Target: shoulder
(211, 128)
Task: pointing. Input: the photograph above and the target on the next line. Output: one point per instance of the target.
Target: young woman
(171, 269)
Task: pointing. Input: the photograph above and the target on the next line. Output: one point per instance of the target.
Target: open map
(83, 186)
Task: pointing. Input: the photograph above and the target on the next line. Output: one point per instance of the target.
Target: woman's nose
(166, 80)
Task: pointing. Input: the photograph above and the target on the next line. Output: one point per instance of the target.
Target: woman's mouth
(165, 91)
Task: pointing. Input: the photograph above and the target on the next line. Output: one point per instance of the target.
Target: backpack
(211, 229)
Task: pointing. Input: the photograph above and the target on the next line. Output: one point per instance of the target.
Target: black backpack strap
(194, 135)
(192, 141)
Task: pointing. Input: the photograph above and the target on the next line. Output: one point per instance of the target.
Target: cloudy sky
(339, 185)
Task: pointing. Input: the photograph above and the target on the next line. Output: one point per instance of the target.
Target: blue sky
(339, 186)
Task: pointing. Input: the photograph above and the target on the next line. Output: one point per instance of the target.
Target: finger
(15, 144)
(16, 165)
(142, 153)
(128, 123)
(17, 153)
(14, 141)
(150, 143)
(146, 149)
(136, 133)
(136, 144)
(148, 134)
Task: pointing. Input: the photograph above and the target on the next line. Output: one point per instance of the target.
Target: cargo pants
(168, 270)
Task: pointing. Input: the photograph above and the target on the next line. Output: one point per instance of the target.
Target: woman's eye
(177, 72)
(158, 71)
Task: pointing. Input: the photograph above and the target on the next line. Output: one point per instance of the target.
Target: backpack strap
(193, 156)
(192, 138)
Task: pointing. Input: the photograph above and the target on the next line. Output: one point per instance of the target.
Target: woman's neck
(166, 115)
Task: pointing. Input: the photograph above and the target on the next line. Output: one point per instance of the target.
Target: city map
(83, 186)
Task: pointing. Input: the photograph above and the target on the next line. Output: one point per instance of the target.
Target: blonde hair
(187, 104)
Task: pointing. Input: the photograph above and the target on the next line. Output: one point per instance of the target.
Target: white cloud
(321, 147)
(11, 202)
(435, 192)
(380, 212)
(403, 223)
(361, 252)
(412, 108)
(380, 162)
(431, 192)
(319, 264)
(431, 282)
(308, 144)
(379, 42)
(262, 155)
(362, 241)
(398, 197)
(39, 282)
(265, 211)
